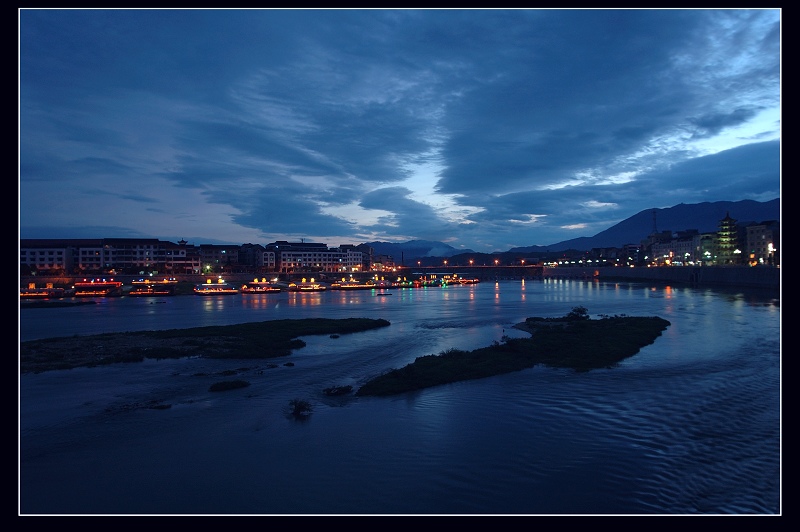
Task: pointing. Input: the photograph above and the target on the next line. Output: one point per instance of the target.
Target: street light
(496, 261)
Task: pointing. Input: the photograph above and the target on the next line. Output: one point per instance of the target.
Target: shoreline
(755, 277)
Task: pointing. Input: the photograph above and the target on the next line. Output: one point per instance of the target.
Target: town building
(752, 244)
(109, 255)
(294, 257)
(763, 241)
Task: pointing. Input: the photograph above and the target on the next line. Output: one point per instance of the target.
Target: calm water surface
(689, 425)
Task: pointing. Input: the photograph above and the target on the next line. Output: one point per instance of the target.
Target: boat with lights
(46, 292)
(97, 288)
(151, 287)
(307, 286)
(442, 279)
(352, 284)
(215, 288)
(260, 287)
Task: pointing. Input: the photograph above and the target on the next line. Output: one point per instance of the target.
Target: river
(690, 425)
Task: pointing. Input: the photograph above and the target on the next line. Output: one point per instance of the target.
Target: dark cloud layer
(486, 129)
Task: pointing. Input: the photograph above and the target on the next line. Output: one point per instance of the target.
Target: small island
(574, 341)
(258, 340)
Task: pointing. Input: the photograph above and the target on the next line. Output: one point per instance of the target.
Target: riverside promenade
(723, 276)
(731, 276)
(766, 277)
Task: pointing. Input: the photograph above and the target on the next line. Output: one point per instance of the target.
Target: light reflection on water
(691, 424)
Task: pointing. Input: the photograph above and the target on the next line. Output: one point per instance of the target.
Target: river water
(689, 425)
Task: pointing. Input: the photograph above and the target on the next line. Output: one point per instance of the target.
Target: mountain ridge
(704, 217)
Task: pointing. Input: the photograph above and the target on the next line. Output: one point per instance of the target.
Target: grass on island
(574, 341)
(258, 340)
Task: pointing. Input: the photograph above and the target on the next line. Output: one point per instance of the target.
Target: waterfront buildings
(144, 256)
(732, 244)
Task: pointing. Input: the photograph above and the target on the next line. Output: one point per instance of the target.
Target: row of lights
(471, 261)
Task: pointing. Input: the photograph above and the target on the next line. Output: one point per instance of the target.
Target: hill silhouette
(704, 217)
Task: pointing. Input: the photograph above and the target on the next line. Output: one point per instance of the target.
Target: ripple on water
(691, 424)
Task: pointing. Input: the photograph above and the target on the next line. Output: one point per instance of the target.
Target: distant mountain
(415, 249)
(704, 217)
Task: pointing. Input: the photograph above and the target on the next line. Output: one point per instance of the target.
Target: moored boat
(97, 288)
(442, 279)
(210, 288)
(47, 292)
(352, 284)
(144, 291)
(260, 287)
(307, 286)
(166, 281)
(426, 280)
(148, 287)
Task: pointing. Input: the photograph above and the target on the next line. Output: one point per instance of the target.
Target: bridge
(483, 273)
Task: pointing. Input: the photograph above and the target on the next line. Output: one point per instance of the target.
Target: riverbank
(723, 276)
(766, 277)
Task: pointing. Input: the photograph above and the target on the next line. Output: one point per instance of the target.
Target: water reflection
(214, 303)
(260, 301)
(690, 424)
(305, 298)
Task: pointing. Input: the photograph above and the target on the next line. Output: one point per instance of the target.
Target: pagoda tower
(727, 241)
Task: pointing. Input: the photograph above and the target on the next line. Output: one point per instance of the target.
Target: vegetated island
(258, 340)
(574, 341)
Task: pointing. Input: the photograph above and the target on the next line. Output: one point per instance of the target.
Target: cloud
(484, 129)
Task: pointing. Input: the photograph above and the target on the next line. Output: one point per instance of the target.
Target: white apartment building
(762, 243)
(96, 255)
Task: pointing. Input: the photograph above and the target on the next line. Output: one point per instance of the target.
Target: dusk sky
(484, 129)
